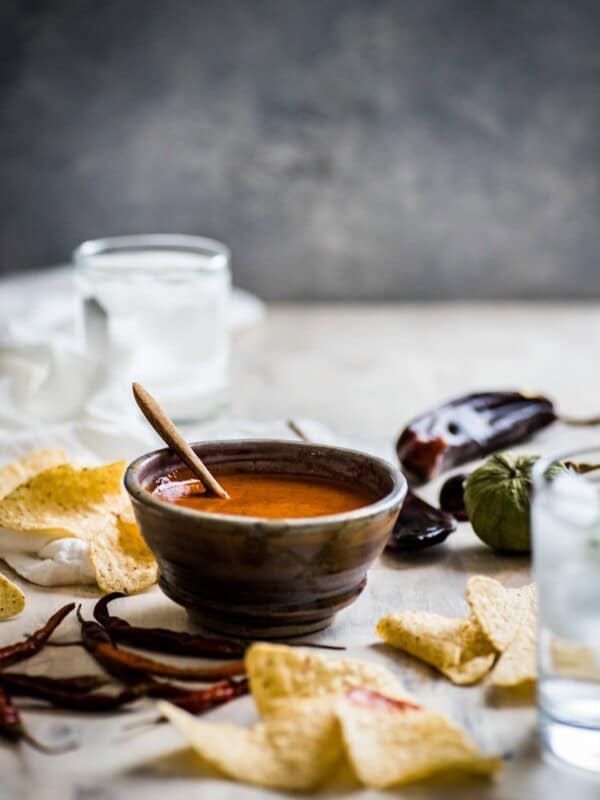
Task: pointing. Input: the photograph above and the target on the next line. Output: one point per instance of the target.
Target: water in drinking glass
(566, 546)
(158, 306)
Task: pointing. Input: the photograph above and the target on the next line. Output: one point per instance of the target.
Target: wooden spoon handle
(163, 425)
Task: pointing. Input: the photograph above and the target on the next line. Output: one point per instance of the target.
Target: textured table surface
(363, 370)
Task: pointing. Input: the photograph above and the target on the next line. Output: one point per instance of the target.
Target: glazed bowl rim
(396, 494)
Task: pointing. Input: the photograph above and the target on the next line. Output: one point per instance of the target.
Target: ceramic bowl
(255, 577)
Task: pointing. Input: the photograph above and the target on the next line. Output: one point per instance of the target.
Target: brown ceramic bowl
(256, 577)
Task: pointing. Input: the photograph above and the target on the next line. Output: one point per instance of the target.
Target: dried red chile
(131, 667)
(162, 639)
(467, 428)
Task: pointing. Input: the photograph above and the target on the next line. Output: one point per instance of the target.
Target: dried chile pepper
(452, 496)
(196, 701)
(13, 730)
(467, 428)
(19, 686)
(13, 653)
(161, 639)
(419, 525)
(130, 666)
(78, 684)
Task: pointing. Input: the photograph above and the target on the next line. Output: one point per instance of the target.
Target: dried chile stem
(130, 666)
(161, 639)
(581, 422)
(13, 729)
(13, 653)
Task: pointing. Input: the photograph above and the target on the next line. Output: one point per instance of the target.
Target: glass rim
(218, 254)
(543, 463)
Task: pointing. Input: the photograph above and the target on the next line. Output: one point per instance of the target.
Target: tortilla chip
(280, 674)
(12, 599)
(388, 746)
(456, 647)
(509, 619)
(12, 475)
(64, 501)
(293, 751)
(497, 609)
(121, 558)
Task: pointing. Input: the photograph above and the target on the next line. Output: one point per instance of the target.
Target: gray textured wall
(343, 148)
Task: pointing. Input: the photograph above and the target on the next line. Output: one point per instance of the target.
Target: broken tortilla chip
(121, 558)
(508, 618)
(388, 745)
(455, 646)
(280, 674)
(12, 475)
(295, 750)
(12, 599)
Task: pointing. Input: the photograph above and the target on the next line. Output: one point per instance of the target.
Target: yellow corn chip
(498, 610)
(508, 618)
(392, 746)
(517, 664)
(120, 557)
(64, 501)
(456, 647)
(14, 474)
(12, 599)
(295, 750)
(279, 674)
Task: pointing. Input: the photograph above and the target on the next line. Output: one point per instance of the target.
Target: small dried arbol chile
(66, 696)
(13, 729)
(131, 667)
(420, 525)
(196, 701)
(467, 428)
(78, 684)
(162, 639)
(13, 653)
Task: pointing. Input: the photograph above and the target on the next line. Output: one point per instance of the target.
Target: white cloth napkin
(53, 395)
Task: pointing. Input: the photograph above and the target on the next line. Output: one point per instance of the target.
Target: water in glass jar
(162, 314)
(566, 531)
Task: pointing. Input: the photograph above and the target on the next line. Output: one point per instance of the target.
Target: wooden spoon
(167, 431)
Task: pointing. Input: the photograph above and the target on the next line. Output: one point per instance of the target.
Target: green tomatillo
(497, 499)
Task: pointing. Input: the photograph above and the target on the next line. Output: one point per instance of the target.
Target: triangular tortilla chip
(509, 619)
(388, 745)
(12, 599)
(456, 646)
(12, 475)
(121, 558)
(279, 674)
(64, 501)
(296, 750)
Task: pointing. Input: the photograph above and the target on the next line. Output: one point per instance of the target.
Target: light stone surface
(364, 371)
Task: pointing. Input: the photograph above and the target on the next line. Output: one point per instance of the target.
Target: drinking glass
(566, 549)
(156, 306)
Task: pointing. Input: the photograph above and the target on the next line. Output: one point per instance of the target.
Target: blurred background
(345, 150)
